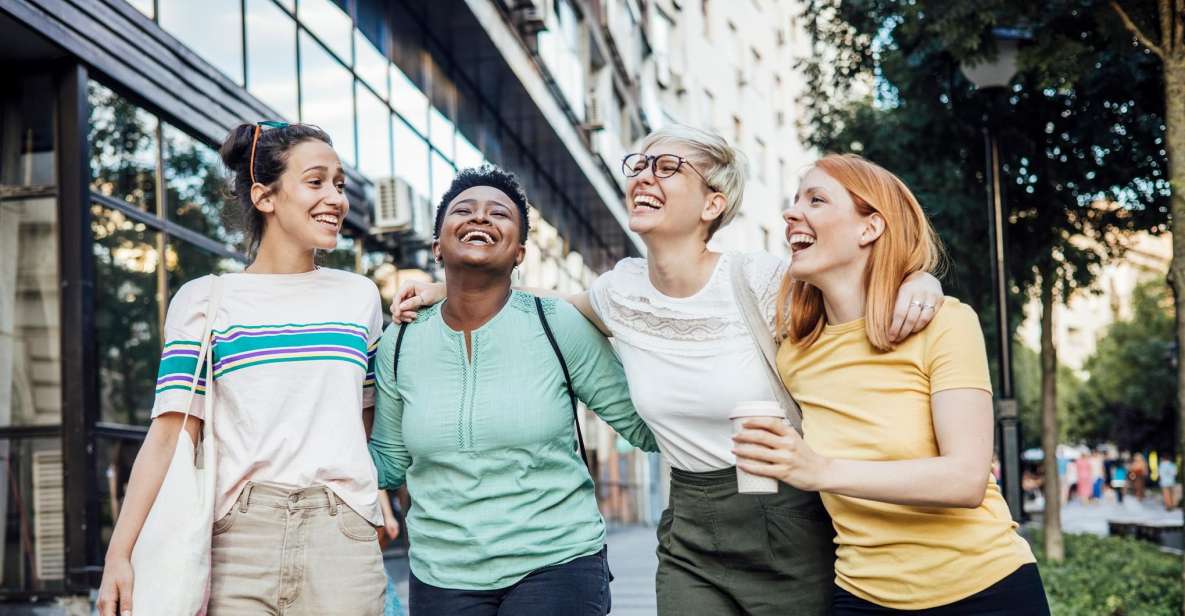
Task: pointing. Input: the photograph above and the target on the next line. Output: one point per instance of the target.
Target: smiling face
(480, 229)
(309, 205)
(826, 229)
(678, 205)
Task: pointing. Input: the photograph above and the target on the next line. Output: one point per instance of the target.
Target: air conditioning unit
(423, 217)
(393, 207)
(594, 120)
(49, 516)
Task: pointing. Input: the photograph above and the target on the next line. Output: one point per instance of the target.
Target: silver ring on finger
(927, 306)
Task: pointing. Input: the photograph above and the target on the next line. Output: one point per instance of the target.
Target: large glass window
(196, 191)
(467, 154)
(442, 175)
(374, 136)
(30, 368)
(441, 132)
(271, 57)
(411, 157)
(212, 28)
(370, 64)
(128, 315)
(408, 100)
(330, 23)
(326, 90)
(123, 149)
(561, 46)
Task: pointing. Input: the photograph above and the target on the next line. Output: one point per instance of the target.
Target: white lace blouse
(689, 360)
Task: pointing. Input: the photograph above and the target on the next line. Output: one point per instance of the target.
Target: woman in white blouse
(689, 360)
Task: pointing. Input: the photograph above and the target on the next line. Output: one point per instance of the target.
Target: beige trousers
(287, 552)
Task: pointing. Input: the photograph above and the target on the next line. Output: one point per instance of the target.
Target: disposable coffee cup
(748, 483)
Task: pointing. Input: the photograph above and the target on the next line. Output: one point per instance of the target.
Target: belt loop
(245, 497)
(333, 503)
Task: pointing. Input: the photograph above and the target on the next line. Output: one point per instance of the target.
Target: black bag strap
(567, 379)
(398, 343)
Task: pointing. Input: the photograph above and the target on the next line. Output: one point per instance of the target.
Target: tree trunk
(1174, 116)
(1054, 547)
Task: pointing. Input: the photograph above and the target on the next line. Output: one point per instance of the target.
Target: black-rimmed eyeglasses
(662, 166)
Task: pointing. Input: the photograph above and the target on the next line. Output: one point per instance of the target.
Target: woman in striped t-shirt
(292, 348)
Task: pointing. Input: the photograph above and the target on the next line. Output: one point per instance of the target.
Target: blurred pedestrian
(1119, 477)
(1168, 482)
(1085, 481)
(1096, 476)
(1070, 485)
(1137, 476)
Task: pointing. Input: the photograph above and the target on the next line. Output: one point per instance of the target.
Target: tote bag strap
(761, 336)
(555, 347)
(204, 359)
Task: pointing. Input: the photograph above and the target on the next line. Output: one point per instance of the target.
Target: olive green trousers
(722, 553)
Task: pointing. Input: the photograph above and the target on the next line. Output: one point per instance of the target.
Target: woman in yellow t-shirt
(898, 436)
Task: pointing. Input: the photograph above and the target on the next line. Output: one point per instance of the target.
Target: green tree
(1026, 363)
(1079, 130)
(1128, 397)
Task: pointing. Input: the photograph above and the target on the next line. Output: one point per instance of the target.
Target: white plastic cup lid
(757, 408)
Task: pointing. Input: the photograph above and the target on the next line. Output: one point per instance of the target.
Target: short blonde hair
(723, 165)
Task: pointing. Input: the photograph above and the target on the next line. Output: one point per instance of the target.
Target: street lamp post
(988, 75)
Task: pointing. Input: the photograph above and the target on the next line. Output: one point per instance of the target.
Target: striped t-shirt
(293, 363)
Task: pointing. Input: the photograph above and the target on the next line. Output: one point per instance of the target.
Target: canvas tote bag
(762, 337)
(171, 557)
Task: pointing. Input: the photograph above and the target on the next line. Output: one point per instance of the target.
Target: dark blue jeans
(1019, 594)
(576, 588)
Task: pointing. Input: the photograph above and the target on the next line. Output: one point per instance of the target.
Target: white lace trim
(638, 314)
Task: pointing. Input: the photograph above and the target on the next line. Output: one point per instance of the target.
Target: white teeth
(801, 240)
(647, 201)
(477, 237)
(328, 219)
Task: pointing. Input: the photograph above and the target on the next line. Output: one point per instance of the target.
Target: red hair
(907, 245)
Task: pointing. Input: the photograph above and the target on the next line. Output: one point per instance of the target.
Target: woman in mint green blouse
(476, 418)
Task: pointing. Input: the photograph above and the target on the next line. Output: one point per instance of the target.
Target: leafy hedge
(1111, 576)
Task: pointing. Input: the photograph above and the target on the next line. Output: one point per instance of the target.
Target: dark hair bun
(237, 148)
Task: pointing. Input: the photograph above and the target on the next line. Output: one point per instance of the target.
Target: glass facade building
(112, 195)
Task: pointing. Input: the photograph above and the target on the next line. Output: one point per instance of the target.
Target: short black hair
(271, 159)
(494, 177)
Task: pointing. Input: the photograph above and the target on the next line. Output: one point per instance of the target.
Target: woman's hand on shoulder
(918, 300)
(414, 295)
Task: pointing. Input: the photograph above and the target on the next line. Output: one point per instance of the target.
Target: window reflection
(326, 89)
(212, 28)
(409, 101)
(185, 262)
(411, 157)
(123, 149)
(374, 136)
(33, 549)
(128, 314)
(370, 64)
(114, 458)
(331, 25)
(441, 132)
(271, 57)
(30, 365)
(195, 188)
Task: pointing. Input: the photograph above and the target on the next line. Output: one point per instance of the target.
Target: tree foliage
(1128, 397)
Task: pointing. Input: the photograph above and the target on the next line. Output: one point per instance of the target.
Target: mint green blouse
(487, 446)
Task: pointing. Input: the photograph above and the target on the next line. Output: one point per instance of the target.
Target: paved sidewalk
(633, 563)
(1093, 517)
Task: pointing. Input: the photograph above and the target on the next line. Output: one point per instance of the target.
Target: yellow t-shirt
(859, 403)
